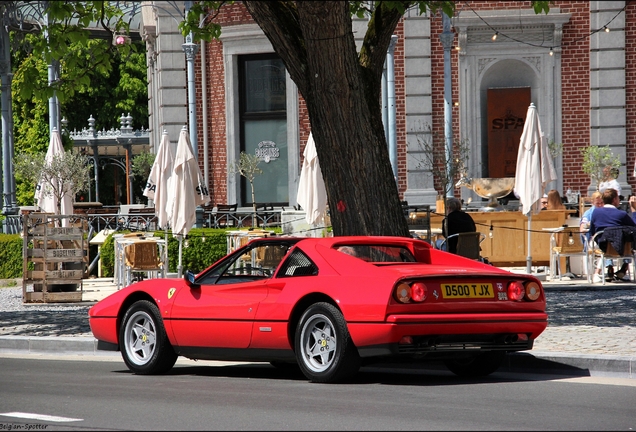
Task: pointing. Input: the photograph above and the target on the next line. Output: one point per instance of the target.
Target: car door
(219, 311)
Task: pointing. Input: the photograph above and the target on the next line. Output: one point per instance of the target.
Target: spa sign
(267, 151)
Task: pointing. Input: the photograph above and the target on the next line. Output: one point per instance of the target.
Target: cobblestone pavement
(584, 322)
(590, 322)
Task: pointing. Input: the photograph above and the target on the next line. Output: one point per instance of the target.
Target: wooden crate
(54, 259)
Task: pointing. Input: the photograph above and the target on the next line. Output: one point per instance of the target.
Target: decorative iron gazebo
(111, 147)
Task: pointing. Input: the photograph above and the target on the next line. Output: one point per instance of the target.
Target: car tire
(479, 365)
(324, 349)
(143, 341)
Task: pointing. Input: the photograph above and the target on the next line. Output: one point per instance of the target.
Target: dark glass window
(263, 117)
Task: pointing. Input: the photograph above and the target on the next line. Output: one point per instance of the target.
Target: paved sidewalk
(592, 328)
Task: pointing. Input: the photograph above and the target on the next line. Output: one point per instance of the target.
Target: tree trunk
(315, 41)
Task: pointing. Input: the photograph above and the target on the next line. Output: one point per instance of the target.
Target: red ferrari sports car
(328, 305)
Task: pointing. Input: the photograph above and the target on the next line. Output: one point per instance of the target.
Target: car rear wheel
(476, 366)
(324, 349)
(143, 341)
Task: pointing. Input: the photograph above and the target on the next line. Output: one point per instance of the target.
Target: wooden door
(507, 109)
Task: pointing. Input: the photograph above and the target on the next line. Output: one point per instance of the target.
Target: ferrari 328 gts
(329, 306)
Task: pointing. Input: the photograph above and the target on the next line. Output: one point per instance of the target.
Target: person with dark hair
(456, 221)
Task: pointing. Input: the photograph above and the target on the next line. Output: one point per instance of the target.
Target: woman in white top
(610, 180)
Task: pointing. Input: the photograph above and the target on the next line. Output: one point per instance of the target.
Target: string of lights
(497, 33)
(491, 227)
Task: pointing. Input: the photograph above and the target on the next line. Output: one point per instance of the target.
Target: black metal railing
(148, 221)
(242, 219)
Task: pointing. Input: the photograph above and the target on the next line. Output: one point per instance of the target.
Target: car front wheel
(324, 349)
(476, 366)
(143, 341)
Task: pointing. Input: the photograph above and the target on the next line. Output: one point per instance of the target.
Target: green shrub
(201, 248)
(11, 264)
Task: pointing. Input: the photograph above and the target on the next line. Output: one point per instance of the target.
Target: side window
(267, 258)
(298, 264)
(255, 263)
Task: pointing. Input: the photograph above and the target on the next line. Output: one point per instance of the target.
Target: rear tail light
(413, 292)
(532, 291)
(517, 291)
(418, 292)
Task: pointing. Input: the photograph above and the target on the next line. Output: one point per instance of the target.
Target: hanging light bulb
(494, 37)
(607, 30)
(490, 233)
(551, 52)
(571, 239)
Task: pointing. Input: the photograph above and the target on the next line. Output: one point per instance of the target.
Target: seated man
(609, 216)
(456, 221)
(597, 201)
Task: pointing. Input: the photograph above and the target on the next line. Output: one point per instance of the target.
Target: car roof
(340, 240)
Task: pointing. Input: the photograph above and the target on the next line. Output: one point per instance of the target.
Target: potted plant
(247, 166)
(596, 159)
(445, 168)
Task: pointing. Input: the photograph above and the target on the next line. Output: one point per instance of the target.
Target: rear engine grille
(454, 343)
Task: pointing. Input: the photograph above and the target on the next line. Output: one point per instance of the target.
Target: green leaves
(200, 20)
(434, 159)
(596, 159)
(247, 166)
(142, 164)
(67, 173)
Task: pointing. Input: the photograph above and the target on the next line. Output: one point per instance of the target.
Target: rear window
(298, 264)
(378, 253)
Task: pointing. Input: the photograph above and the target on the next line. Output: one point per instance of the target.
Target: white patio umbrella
(312, 195)
(534, 170)
(187, 190)
(44, 191)
(158, 182)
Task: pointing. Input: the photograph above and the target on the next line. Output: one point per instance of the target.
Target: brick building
(576, 64)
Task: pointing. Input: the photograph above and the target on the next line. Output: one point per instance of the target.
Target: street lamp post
(447, 38)
(190, 50)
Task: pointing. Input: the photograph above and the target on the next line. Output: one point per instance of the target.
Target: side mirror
(188, 276)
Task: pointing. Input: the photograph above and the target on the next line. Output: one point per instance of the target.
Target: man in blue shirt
(609, 216)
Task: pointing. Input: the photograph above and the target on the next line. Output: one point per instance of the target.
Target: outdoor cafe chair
(468, 244)
(142, 256)
(223, 216)
(603, 248)
(265, 214)
(565, 243)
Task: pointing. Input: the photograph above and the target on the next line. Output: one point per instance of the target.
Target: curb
(45, 344)
(572, 364)
(539, 362)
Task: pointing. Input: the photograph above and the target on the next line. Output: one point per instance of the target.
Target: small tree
(140, 169)
(555, 148)
(142, 164)
(66, 174)
(596, 159)
(247, 166)
(445, 169)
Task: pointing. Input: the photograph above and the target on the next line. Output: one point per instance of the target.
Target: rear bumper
(439, 333)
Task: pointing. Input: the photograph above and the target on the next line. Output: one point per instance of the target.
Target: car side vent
(298, 265)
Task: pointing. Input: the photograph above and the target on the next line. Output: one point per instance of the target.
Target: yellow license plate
(467, 290)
